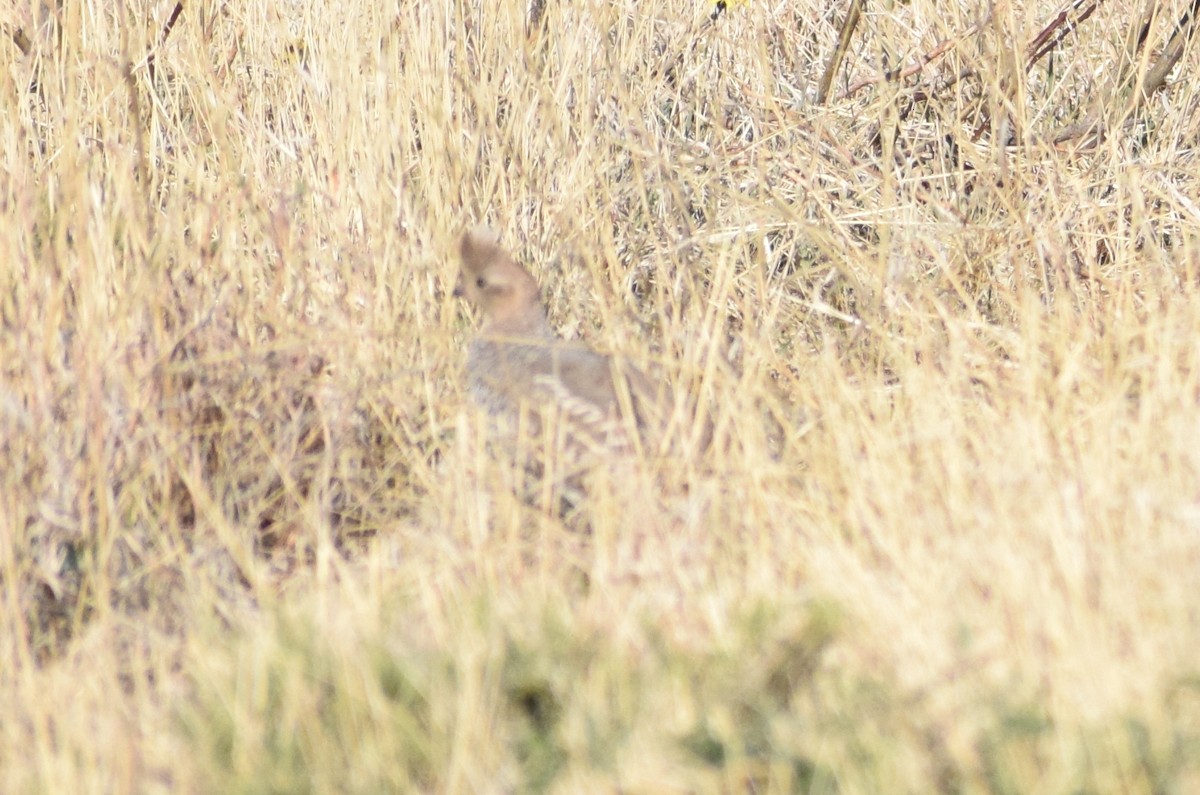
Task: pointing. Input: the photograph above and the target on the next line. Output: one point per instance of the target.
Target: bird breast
(572, 382)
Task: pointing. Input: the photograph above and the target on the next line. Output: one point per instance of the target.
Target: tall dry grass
(250, 539)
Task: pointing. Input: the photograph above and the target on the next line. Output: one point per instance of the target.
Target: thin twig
(942, 47)
(162, 39)
(853, 14)
(1093, 125)
(1062, 25)
(1185, 28)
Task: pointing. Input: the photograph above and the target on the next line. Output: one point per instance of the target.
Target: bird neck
(531, 322)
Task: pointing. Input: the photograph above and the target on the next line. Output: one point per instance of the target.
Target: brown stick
(21, 40)
(162, 39)
(942, 47)
(1062, 25)
(853, 14)
(1135, 41)
(1093, 125)
(1185, 28)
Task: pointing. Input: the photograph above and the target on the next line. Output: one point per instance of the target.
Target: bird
(517, 362)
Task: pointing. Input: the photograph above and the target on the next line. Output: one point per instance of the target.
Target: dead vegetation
(932, 270)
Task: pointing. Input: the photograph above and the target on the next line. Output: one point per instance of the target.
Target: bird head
(495, 284)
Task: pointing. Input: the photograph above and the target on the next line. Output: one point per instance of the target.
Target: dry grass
(249, 539)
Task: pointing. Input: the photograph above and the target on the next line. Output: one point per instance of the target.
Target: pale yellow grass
(251, 540)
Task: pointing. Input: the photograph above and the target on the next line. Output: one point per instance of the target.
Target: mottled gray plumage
(517, 360)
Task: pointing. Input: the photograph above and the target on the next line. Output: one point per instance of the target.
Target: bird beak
(459, 292)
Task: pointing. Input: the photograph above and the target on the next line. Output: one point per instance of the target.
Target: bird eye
(480, 283)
